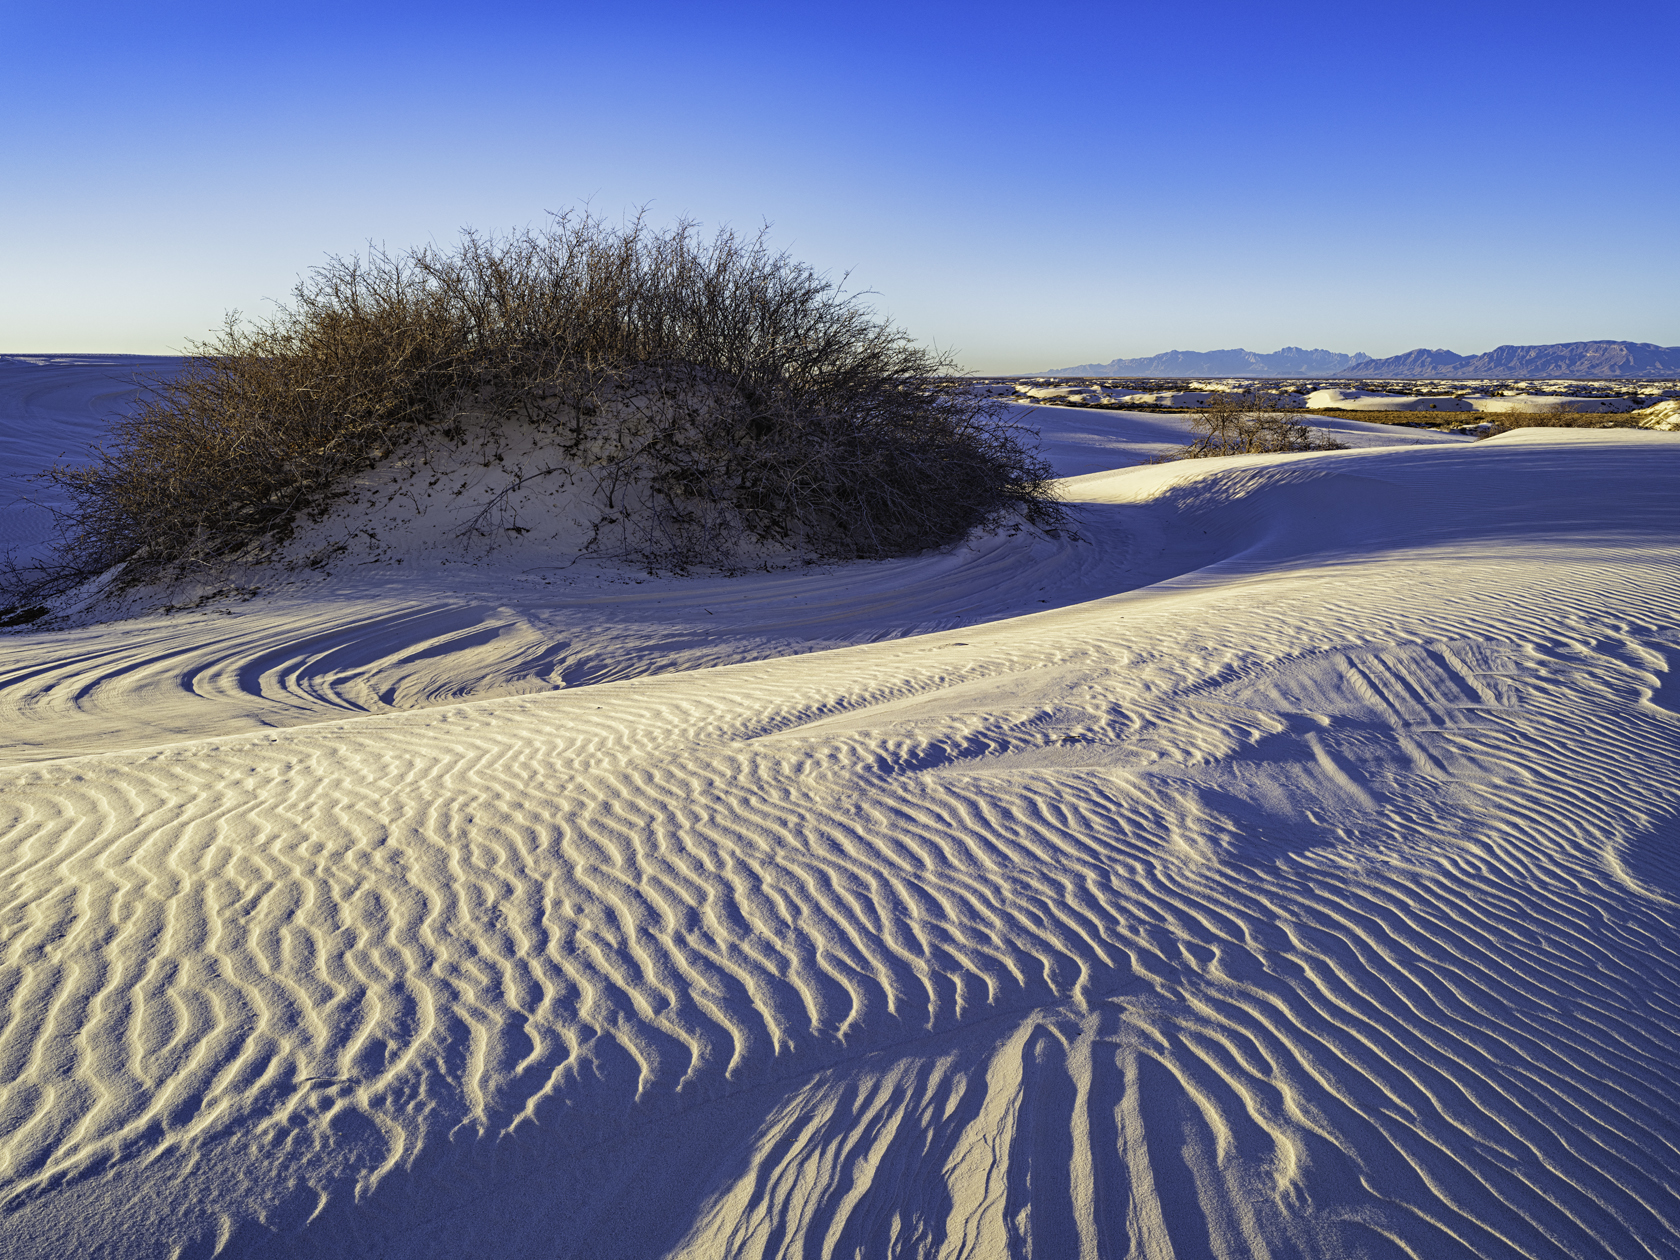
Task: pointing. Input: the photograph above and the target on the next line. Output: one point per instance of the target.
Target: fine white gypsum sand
(1367, 400)
(1297, 879)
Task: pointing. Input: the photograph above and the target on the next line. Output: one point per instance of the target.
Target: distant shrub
(1252, 423)
(737, 391)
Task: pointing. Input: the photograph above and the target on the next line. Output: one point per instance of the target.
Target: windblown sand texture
(1285, 866)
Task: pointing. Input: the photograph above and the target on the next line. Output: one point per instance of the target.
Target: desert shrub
(1254, 423)
(710, 388)
(1400, 419)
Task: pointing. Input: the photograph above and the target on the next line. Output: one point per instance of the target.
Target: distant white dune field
(1366, 400)
(1297, 879)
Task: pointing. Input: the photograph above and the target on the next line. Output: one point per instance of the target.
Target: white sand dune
(1078, 441)
(51, 408)
(1297, 879)
(1663, 416)
(1367, 400)
(1551, 402)
(445, 628)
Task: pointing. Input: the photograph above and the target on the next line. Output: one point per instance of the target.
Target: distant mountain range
(1580, 360)
(1574, 360)
(1290, 361)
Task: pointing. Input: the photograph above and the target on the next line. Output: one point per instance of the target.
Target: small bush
(718, 388)
(1255, 423)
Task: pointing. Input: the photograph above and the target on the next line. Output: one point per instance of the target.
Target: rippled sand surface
(1298, 878)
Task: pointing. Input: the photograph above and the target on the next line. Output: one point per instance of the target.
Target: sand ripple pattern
(1102, 934)
(310, 653)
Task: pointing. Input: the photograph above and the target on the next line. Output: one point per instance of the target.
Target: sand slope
(52, 407)
(1310, 891)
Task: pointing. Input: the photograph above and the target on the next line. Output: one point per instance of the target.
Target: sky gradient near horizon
(1035, 187)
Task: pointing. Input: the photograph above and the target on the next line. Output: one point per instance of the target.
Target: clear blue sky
(1033, 184)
